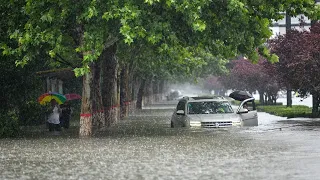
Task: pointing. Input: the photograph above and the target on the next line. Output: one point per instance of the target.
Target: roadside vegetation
(290, 112)
(126, 52)
(279, 109)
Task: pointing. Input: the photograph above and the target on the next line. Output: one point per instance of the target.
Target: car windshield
(209, 107)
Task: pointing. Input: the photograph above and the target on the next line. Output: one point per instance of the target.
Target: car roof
(204, 99)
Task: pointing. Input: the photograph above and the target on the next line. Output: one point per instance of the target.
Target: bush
(32, 113)
(9, 126)
(290, 112)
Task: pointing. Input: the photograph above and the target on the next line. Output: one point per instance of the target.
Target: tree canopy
(299, 54)
(177, 28)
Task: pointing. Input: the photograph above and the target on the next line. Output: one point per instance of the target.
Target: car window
(210, 107)
(181, 105)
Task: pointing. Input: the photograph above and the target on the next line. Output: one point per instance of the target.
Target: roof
(205, 98)
(63, 73)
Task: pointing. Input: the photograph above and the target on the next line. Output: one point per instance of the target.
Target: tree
(251, 77)
(89, 31)
(212, 83)
(299, 65)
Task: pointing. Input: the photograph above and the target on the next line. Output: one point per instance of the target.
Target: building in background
(300, 22)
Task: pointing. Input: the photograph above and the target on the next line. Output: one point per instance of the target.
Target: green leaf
(52, 53)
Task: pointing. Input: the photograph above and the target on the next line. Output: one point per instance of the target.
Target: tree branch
(64, 61)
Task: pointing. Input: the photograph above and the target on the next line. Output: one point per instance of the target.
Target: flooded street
(144, 146)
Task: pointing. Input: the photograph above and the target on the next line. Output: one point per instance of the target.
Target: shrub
(290, 112)
(9, 126)
(31, 113)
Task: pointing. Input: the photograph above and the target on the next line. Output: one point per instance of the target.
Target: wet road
(144, 146)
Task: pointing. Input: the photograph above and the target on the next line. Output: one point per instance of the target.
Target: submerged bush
(9, 125)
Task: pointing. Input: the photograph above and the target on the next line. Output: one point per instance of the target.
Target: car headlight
(195, 123)
(237, 122)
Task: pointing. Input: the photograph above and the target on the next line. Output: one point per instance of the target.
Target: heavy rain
(160, 89)
(143, 146)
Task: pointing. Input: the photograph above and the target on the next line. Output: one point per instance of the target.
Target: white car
(211, 112)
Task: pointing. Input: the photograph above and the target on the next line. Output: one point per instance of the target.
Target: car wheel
(172, 126)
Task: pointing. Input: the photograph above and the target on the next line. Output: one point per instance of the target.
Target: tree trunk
(288, 28)
(86, 105)
(140, 94)
(315, 104)
(124, 92)
(148, 95)
(156, 91)
(161, 89)
(109, 75)
(289, 97)
(261, 97)
(98, 119)
(133, 87)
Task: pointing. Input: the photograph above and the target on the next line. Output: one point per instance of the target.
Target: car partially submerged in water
(214, 111)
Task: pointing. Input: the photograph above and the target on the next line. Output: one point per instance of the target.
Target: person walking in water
(65, 115)
(53, 119)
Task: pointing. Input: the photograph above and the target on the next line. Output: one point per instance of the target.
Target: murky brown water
(145, 147)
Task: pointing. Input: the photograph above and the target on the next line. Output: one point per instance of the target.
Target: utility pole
(289, 90)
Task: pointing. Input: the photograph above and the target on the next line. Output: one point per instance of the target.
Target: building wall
(279, 27)
(54, 85)
(300, 22)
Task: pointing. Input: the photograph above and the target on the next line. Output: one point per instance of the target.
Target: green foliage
(9, 126)
(175, 29)
(290, 112)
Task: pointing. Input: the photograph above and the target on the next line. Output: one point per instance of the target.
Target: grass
(284, 111)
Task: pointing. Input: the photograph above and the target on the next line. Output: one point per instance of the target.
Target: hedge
(290, 112)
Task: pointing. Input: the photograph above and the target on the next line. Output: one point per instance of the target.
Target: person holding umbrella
(53, 119)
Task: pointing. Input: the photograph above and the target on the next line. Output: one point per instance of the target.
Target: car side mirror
(180, 112)
(243, 110)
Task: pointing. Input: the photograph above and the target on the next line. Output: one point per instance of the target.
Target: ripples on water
(144, 147)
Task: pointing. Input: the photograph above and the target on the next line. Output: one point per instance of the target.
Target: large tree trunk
(109, 89)
(86, 106)
(97, 105)
(140, 94)
(124, 92)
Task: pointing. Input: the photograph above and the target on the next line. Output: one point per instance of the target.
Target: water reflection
(144, 146)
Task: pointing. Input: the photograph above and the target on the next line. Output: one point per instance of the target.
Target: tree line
(298, 68)
(117, 44)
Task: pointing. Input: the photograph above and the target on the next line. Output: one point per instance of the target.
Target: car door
(180, 115)
(250, 117)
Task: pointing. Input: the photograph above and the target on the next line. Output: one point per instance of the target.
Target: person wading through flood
(65, 115)
(53, 120)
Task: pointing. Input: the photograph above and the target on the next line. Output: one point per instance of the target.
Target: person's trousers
(54, 127)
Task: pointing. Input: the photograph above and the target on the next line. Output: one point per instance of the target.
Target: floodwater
(144, 146)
